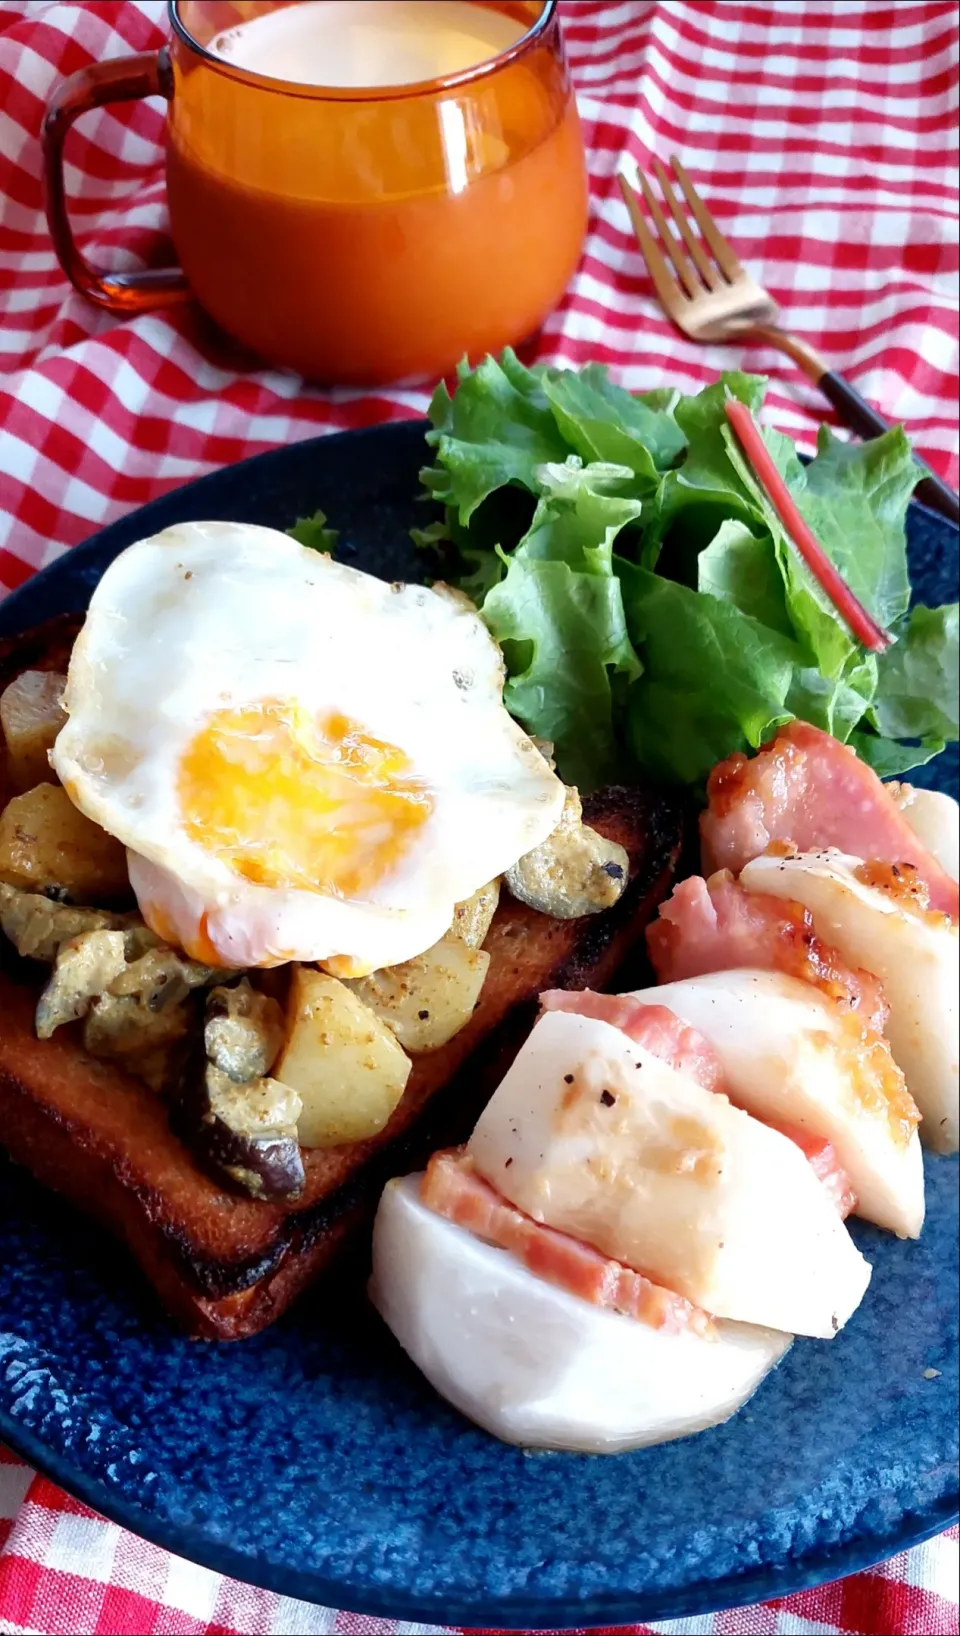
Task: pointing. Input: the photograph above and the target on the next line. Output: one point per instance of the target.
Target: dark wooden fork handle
(863, 419)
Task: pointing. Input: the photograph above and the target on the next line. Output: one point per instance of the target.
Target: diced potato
(31, 717)
(430, 998)
(46, 841)
(472, 917)
(342, 1061)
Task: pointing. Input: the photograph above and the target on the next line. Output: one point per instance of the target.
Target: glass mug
(355, 236)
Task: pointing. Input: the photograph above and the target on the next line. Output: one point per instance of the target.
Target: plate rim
(820, 1567)
(799, 1573)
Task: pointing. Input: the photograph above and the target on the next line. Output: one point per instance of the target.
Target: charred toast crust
(227, 1265)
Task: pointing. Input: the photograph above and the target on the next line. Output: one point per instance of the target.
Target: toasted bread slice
(226, 1265)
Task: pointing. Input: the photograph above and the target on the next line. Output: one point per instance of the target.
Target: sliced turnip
(914, 952)
(594, 1135)
(790, 1056)
(537, 1366)
(934, 818)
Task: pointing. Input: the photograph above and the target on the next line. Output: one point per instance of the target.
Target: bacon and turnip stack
(797, 1032)
(808, 791)
(878, 914)
(594, 1134)
(535, 1363)
(874, 867)
(934, 818)
(619, 1254)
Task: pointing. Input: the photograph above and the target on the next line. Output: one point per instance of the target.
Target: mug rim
(372, 93)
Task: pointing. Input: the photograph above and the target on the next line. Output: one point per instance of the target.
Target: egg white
(206, 617)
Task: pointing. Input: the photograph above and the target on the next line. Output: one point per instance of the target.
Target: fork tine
(687, 274)
(725, 256)
(708, 272)
(671, 296)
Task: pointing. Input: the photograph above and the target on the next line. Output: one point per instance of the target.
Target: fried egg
(304, 762)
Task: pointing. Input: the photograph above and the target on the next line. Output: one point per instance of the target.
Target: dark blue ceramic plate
(315, 1461)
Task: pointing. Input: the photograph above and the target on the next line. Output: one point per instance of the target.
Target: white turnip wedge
(934, 818)
(791, 1056)
(597, 1137)
(537, 1366)
(877, 917)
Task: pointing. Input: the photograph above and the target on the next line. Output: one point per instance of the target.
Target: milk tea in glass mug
(360, 190)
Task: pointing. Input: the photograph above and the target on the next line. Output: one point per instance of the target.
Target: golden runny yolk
(287, 799)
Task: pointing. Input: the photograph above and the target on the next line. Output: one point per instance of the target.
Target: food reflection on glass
(290, 856)
(361, 190)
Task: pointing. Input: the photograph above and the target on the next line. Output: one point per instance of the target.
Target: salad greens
(314, 533)
(650, 605)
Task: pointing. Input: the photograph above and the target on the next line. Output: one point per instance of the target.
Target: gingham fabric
(823, 135)
(64, 1570)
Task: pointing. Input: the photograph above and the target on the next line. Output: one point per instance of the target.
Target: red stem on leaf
(848, 606)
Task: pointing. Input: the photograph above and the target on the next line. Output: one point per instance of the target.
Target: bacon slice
(717, 925)
(827, 1167)
(453, 1189)
(660, 1031)
(808, 789)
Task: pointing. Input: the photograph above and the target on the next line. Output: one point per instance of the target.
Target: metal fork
(710, 296)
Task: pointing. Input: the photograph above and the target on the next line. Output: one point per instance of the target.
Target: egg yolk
(287, 799)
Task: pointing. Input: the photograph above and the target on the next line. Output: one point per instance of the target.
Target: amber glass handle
(147, 75)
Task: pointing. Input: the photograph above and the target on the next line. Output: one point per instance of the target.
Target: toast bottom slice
(226, 1265)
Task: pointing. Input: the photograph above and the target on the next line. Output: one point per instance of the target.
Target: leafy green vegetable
(918, 681)
(314, 533)
(830, 644)
(835, 705)
(602, 422)
(741, 568)
(890, 758)
(582, 510)
(854, 497)
(706, 630)
(496, 429)
(714, 679)
(558, 613)
(708, 488)
(573, 622)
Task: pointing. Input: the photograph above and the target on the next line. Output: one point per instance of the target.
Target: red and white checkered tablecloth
(823, 134)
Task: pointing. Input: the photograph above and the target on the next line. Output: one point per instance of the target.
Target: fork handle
(862, 418)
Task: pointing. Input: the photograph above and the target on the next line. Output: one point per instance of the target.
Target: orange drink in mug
(360, 190)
